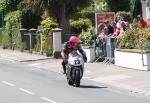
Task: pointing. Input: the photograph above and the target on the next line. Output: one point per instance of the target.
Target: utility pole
(95, 5)
(1, 19)
(3, 14)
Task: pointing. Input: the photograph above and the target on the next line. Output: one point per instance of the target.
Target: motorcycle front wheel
(70, 82)
(77, 78)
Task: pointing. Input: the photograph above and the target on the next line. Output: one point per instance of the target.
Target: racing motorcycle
(74, 68)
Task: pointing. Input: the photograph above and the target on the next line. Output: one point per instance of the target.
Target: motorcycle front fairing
(75, 61)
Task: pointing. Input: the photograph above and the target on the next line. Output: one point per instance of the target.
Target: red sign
(103, 17)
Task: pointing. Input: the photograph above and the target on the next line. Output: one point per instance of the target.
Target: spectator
(100, 37)
(100, 28)
(118, 21)
(108, 29)
(116, 32)
(141, 22)
(117, 18)
(123, 24)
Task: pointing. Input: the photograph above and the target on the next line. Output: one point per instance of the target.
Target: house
(146, 9)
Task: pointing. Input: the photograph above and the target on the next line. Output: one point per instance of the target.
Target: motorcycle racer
(69, 46)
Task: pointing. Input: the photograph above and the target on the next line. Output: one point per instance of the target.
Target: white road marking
(135, 91)
(48, 100)
(147, 94)
(88, 72)
(111, 78)
(86, 77)
(34, 64)
(140, 92)
(7, 59)
(38, 65)
(26, 91)
(7, 83)
(53, 66)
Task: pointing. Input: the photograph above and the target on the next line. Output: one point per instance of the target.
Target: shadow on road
(91, 86)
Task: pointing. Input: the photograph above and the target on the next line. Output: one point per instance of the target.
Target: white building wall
(132, 60)
(146, 9)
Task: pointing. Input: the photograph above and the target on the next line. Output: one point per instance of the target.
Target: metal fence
(104, 49)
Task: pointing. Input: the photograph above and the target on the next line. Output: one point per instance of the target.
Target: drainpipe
(143, 55)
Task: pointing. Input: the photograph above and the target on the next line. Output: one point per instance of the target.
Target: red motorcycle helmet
(73, 41)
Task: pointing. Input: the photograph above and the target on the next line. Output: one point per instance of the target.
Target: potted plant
(133, 49)
(87, 43)
(45, 29)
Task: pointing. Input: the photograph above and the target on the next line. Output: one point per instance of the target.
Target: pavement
(16, 55)
(135, 81)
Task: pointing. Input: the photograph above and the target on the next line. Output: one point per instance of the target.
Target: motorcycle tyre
(70, 82)
(77, 78)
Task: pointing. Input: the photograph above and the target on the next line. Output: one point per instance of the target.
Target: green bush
(11, 33)
(6, 41)
(144, 39)
(49, 52)
(135, 39)
(88, 12)
(85, 36)
(134, 23)
(78, 25)
(128, 40)
(125, 15)
(23, 46)
(46, 26)
(37, 46)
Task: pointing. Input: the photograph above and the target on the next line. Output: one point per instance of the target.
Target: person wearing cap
(141, 22)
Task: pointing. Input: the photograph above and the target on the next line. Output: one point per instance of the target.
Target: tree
(5, 7)
(61, 10)
(9, 5)
(118, 5)
(67, 8)
(136, 8)
(31, 12)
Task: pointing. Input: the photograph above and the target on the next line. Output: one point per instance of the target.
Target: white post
(144, 9)
(57, 42)
(31, 32)
(41, 51)
(30, 37)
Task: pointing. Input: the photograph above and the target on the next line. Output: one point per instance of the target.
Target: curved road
(20, 83)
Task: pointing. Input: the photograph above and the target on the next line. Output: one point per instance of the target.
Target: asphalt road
(21, 83)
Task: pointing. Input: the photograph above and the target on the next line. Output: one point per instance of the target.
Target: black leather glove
(85, 59)
(65, 61)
